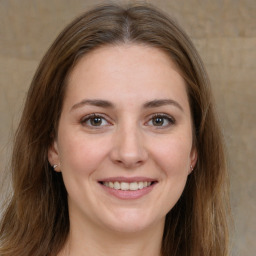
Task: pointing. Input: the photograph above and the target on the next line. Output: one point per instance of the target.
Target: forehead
(125, 70)
(124, 55)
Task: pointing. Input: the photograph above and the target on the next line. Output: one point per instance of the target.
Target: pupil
(96, 121)
(158, 121)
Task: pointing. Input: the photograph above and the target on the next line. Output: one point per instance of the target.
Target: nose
(128, 148)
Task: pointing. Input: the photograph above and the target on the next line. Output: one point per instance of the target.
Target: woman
(118, 151)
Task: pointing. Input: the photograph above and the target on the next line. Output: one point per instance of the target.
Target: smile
(128, 188)
(127, 185)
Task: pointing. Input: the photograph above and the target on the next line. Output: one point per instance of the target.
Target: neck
(85, 240)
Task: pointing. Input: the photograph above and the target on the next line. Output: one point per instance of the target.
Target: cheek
(81, 155)
(173, 156)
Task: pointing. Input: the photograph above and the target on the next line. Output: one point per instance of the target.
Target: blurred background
(224, 32)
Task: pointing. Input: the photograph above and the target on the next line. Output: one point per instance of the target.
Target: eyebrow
(162, 102)
(107, 104)
(97, 103)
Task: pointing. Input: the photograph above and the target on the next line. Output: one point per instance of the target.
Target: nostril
(129, 163)
(128, 151)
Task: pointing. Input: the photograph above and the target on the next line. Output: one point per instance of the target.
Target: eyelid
(85, 118)
(170, 119)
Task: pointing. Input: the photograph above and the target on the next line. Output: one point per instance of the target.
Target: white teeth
(111, 184)
(127, 186)
(141, 185)
(134, 186)
(117, 185)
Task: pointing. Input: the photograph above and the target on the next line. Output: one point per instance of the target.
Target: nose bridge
(129, 146)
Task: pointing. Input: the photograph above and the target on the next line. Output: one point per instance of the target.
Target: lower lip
(129, 194)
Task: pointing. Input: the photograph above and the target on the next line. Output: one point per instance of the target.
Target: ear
(53, 156)
(193, 159)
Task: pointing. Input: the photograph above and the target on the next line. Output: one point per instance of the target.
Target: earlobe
(193, 159)
(53, 156)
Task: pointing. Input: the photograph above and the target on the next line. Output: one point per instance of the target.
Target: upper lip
(127, 179)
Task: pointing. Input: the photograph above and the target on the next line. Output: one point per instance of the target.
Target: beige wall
(224, 32)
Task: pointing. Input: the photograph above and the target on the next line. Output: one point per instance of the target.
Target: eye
(161, 120)
(94, 120)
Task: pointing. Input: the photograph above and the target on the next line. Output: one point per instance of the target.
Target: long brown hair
(36, 221)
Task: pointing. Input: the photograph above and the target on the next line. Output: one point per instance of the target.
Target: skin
(128, 141)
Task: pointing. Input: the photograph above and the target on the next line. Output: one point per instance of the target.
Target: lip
(128, 194)
(128, 179)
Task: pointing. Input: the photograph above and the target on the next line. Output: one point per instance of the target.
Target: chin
(130, 221)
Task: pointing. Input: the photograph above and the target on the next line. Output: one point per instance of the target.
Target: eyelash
(170, 120)
(90, 117)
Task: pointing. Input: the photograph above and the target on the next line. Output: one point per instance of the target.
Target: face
(124, 143)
